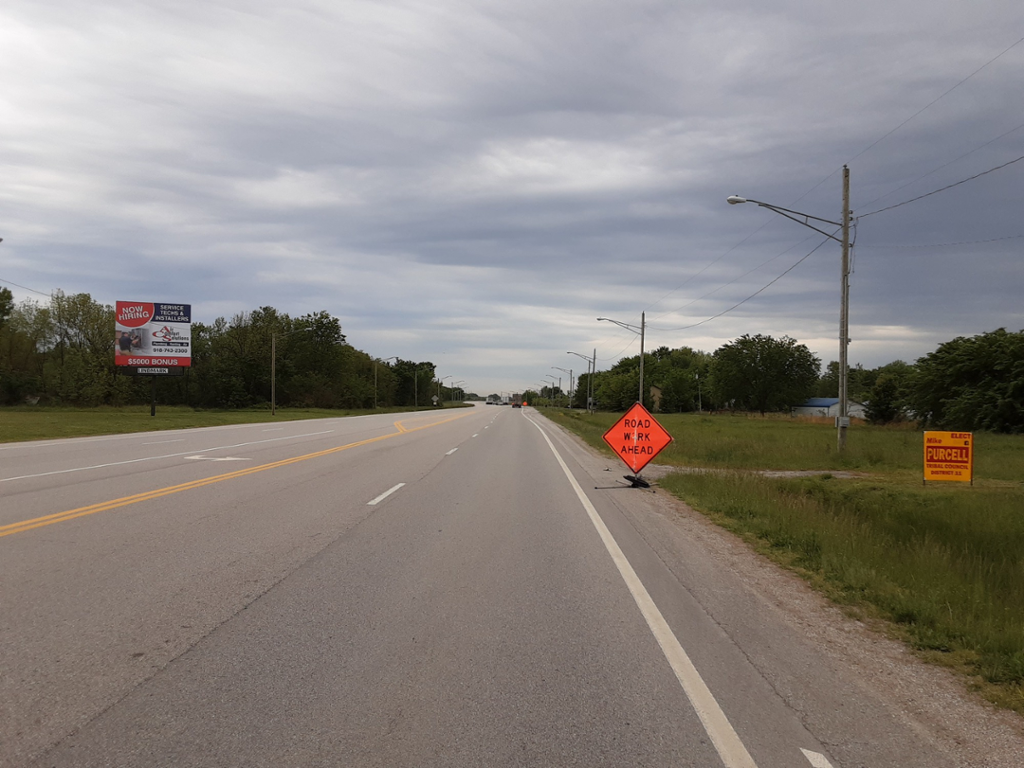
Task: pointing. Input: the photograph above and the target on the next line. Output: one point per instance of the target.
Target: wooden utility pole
(844, 317)
(643, 326)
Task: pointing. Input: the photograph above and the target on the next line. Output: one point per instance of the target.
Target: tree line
(62, 352)
(968, 383)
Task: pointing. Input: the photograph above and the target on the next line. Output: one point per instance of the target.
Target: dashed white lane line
(384, 495)
(477, 435)
(453, 450)
(724, 737)
(816, 759)
(161, 442)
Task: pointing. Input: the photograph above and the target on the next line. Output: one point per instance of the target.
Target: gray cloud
(476, 183)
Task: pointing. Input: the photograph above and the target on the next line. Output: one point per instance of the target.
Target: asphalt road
(449, 589)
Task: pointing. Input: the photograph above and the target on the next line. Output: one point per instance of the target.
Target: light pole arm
(627, 326)
(790, 214)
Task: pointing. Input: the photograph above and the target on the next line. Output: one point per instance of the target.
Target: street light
(554, 379)
(640, 330)
(844, 287)
(273, 365)
(559, 390)
(591, 372)
(375, 361)
(439, 383)
(455, 384)
(569, 371)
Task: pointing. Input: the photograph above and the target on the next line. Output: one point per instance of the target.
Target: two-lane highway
(440, 589)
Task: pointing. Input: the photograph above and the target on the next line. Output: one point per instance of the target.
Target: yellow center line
(103, 506)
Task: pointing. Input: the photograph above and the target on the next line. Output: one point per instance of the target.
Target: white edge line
(724, 737)
(384, 495)
(816, 759)
(453, 450)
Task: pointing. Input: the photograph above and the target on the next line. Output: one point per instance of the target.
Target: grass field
(32, 423)
(942, 565)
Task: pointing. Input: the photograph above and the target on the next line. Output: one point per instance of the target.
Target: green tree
(764, 374)
(887, 397)
(678, 374)
(972, 383)
(24, 339)
(6, 305)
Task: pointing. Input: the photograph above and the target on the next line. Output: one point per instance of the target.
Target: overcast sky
(474, 183)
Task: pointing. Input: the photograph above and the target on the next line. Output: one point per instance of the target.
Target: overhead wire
(936, 100)
(945, 165)
(942, 189)
(945, 245)
(24, 287)
(755, 293)
(740, 277)
(855, 157)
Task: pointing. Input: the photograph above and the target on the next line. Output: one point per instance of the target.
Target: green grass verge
(729, 441)
(942, 565)
(32, 423)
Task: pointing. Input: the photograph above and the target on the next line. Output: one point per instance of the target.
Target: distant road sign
(637, 438)
(949, 456)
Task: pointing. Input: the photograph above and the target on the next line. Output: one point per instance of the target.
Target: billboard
(148, 334)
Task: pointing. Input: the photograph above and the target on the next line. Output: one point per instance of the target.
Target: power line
(927, 106)
(704, 269)
(755, 293)
(934, 101)
(943, 189)
(740, 277)
(25, 288)
(947, 245)
(945, 165)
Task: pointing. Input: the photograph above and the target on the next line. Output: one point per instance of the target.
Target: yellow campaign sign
(949, 456)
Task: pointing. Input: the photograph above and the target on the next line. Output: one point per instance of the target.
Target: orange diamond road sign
(637, 438)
